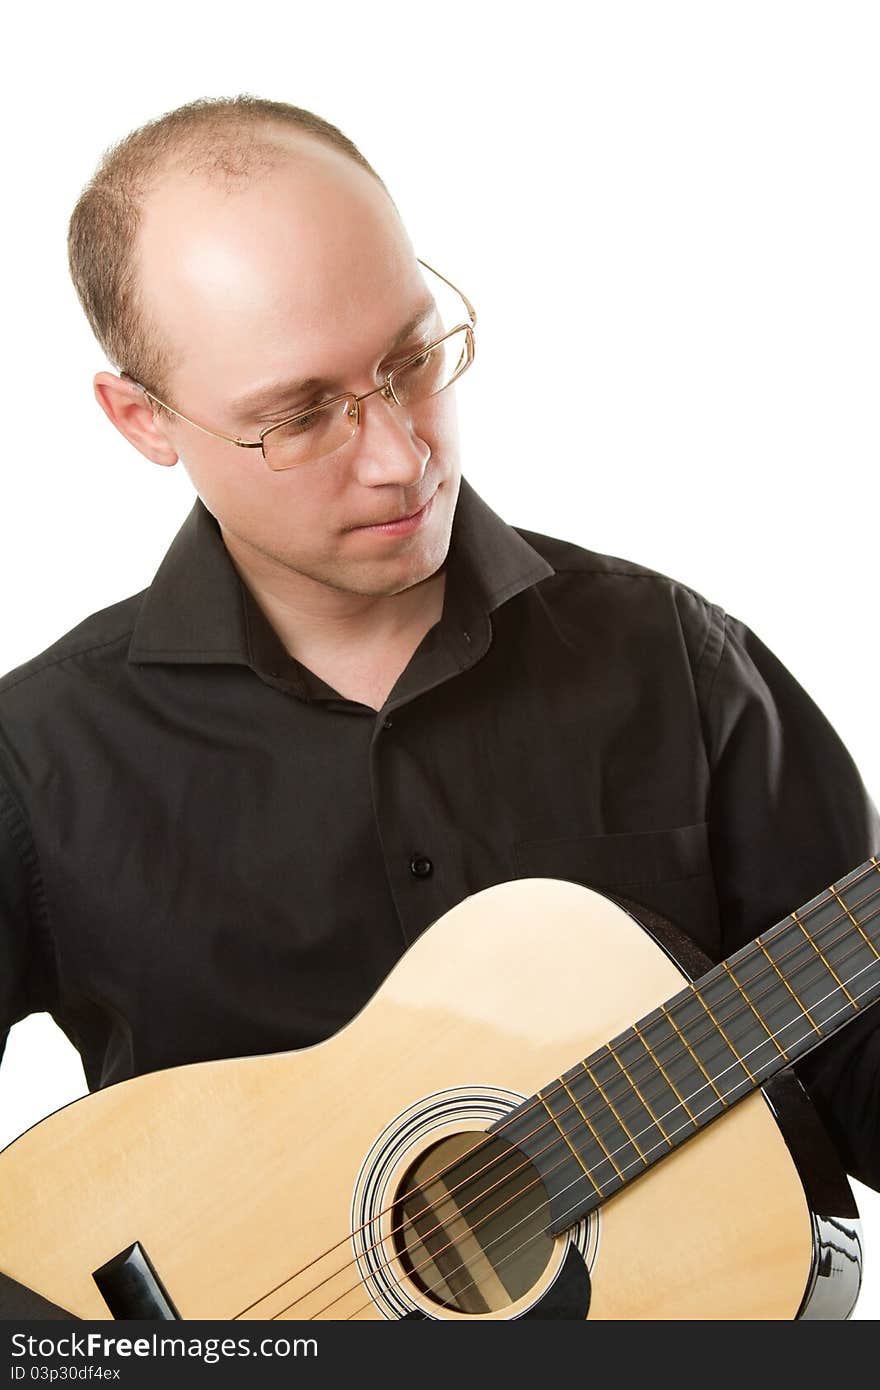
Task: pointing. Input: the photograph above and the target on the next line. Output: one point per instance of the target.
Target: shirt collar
(198, 610)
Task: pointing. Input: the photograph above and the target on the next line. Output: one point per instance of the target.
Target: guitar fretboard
(614, 1113)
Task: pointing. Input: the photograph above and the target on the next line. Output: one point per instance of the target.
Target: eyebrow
(281, 392)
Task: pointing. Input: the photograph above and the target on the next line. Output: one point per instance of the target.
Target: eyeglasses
(323, 428)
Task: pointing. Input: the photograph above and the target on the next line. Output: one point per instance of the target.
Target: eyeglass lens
(325, 428)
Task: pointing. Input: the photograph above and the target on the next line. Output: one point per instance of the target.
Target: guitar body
(234, 1175)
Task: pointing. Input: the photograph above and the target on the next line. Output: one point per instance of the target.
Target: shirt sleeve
(788, 815)
(18, 964)
(22, 987)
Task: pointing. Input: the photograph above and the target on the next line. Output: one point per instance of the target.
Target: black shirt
(206, 851)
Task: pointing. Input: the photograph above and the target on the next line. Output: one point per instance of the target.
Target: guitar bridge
(131, 1288)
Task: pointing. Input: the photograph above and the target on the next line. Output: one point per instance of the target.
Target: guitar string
(573, 1208)
(776, 931)
(550, 1119)
(566, 1158)
(569, 1211)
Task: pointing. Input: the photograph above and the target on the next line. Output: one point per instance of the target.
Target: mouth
(401, 525)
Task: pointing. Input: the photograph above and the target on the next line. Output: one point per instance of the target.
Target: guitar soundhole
(470, 1223)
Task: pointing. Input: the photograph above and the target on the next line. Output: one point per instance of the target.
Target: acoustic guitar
(540, 1114)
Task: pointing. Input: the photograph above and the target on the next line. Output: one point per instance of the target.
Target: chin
(395, 578)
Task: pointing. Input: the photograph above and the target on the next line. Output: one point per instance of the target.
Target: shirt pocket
(666, 871)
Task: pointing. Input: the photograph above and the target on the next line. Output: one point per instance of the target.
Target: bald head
(240, 279)
(224, 142)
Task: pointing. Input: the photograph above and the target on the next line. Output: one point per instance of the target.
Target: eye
(412, 362)
(280, 415)
(305, 421)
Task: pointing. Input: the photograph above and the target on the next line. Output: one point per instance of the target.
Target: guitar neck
(625, 1106)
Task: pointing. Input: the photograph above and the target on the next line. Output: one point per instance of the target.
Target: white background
(667, 216)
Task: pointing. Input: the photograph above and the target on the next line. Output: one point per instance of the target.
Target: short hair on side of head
(221, 139)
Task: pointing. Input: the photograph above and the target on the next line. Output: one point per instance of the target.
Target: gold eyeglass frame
(386, 387)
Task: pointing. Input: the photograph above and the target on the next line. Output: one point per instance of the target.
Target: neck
(317, 621)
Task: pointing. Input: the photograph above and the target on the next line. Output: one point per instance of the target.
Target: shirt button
(420, 866)
(386, 723)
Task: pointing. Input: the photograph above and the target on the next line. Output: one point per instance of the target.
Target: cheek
(437, 423)
(261, 504)
(292, 512)
(225, 476)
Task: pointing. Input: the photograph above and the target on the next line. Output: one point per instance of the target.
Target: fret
(701, 1100)
(577, 1170)
(719, 1064)
(853, 901)
(772, 1000)
(608, 1163)
(826, 922)
(566, 1153)
(853, 960)
(630, 1110)
(860, 891)
(843, 924)
(747, 1036)
(701, 994)
(858, 926)
(825, 961)
(615, 1133)
(656, 1126)
(595, 1081)
(576, 1105)
(565, 1117)
(861, 901)
(669, 1108)
(567, 1157)
(806, 975)
(763, 1030)
(790, 1027)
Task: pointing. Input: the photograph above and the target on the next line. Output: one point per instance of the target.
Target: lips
(389, 520)
(406, 517)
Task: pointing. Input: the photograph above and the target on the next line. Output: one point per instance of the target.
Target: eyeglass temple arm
(469, 306)
(242, 443)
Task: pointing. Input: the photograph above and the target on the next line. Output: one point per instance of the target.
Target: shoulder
(624, 584)
(91, 643)
(567, 557)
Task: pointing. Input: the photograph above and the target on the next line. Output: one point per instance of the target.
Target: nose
(388, 447)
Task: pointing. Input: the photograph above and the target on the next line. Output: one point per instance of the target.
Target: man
(230, 802)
